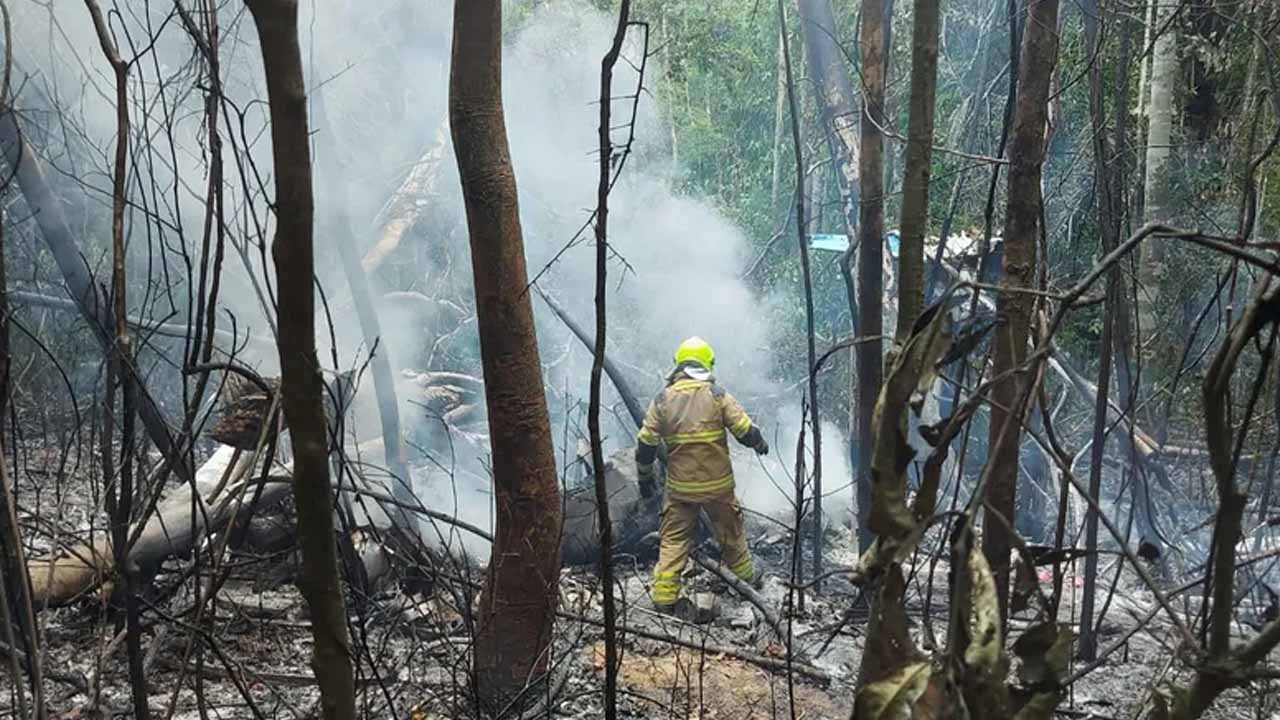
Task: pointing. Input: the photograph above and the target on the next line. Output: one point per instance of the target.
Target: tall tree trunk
(874, 37)
(915, 197)
(1015, 306)
(518, 604)
(301, 384)
(16, 585)
(1156, 199)
(834, 88)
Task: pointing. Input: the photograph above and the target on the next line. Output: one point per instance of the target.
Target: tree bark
(779, 117)
(875, 35)
(1156, 200)
(915, 196)
(517, 607)
(1015, 306)
(301, 384)
(834, 88)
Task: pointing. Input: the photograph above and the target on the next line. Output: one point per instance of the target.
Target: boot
(682, 609)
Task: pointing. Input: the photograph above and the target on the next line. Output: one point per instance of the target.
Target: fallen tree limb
(747, 592)
(171, 531)
(610, 369)
(174, 330)
(777, 665)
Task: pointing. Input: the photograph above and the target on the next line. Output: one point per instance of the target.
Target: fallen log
(172, 530)
(230, 341)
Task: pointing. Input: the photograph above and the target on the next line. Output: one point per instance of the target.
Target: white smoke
(383, 74)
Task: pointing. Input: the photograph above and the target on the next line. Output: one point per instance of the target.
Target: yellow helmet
(697, 350)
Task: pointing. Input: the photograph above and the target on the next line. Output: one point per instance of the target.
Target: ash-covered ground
(247, 654)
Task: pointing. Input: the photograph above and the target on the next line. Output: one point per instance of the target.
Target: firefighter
(693, 416)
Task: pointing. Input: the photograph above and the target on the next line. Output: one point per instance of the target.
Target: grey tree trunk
(1156, 199)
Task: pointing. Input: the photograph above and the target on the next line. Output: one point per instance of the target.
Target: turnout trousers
(678, 529)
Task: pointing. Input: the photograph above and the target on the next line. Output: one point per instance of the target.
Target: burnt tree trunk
(1015, 306)
(301, 384)
(518, 603)
(915, 196)
(875, 35)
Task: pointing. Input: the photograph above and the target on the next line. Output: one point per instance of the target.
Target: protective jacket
(694, 416)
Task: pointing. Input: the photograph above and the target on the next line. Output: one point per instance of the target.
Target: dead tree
(517, 606)
(1015, 305)
(120, 495)
(834, 91)
(796, 570)
(301, 384)
(608, 160)
(875, 36)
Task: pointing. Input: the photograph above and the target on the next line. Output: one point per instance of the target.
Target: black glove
(648, 484)
(762, 447)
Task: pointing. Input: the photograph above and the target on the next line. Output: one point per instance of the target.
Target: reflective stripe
(745, 570)
(648, 437)
(687, 385)
(666, 587)
(700, 487)
(741, 427)
(703, 436)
